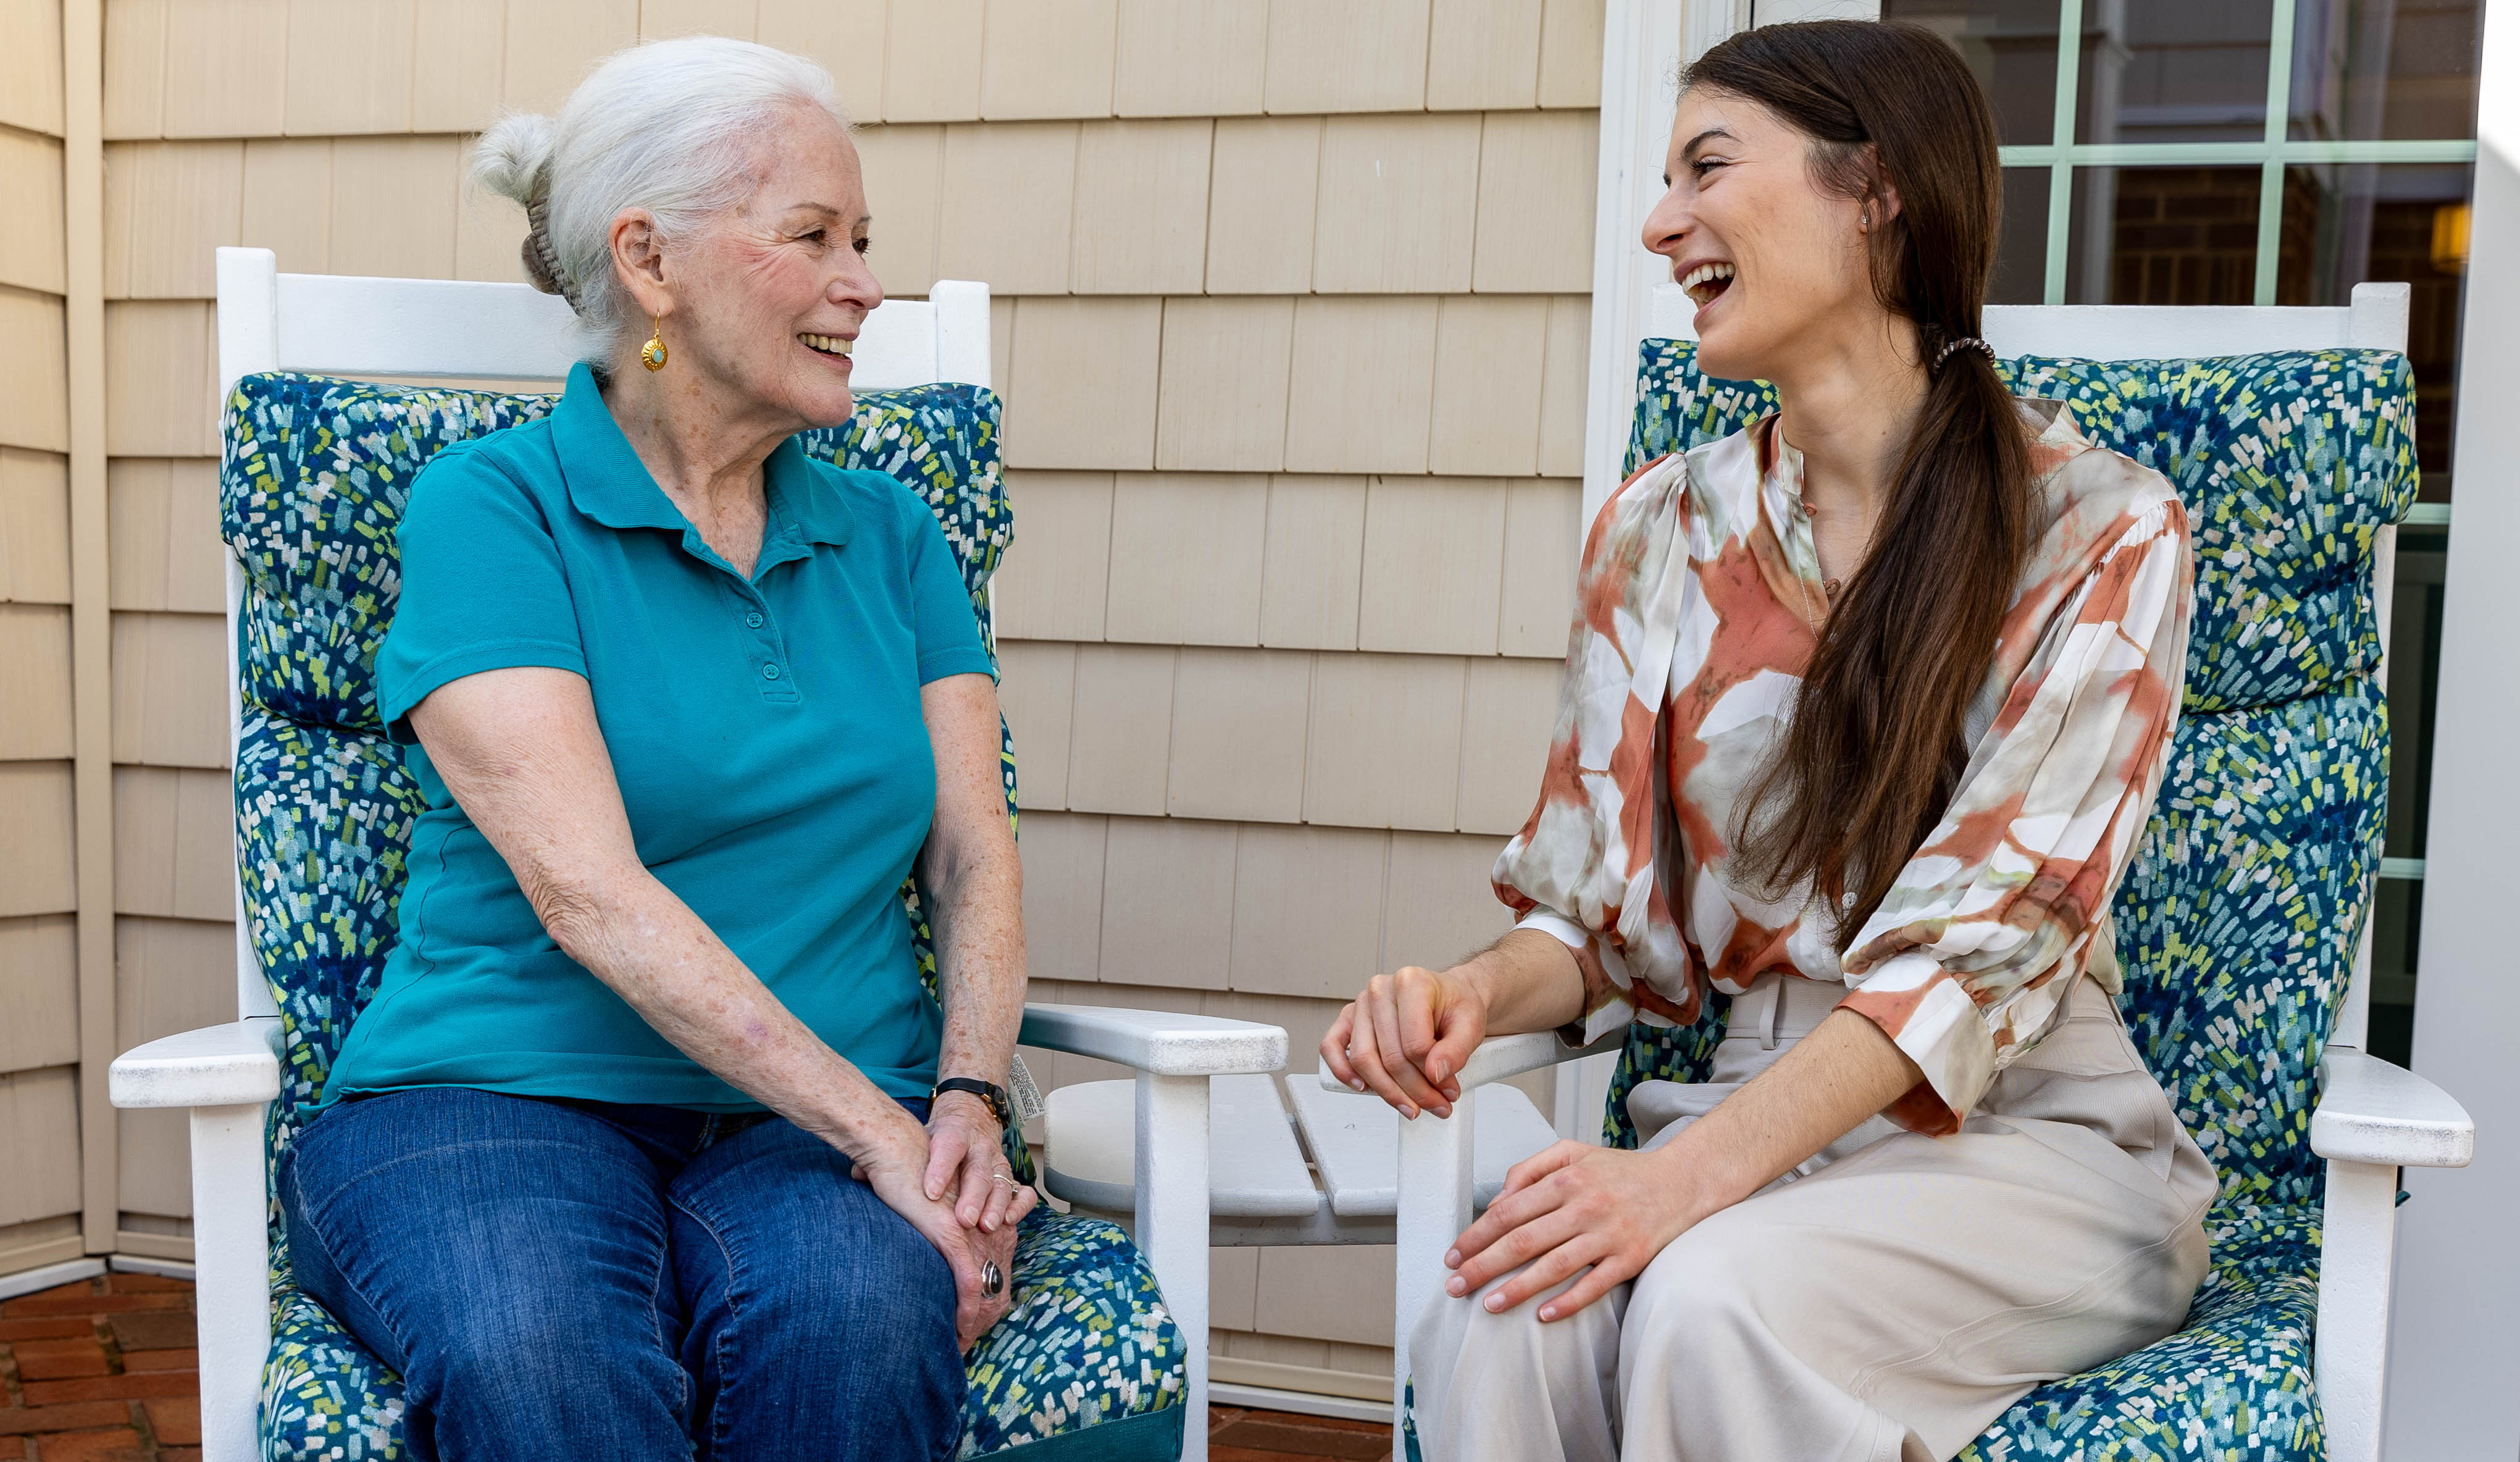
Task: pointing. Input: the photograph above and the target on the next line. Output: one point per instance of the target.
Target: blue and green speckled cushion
(2236, 923)
(313, 487)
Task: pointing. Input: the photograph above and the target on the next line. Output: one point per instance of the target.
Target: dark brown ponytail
(1876, 743)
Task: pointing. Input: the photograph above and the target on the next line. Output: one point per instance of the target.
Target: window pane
(2397, 913)
(2021, 250)
(2415, 664)
(2163, 236)
(2385, 68)
(2012, 46)
(2175, 71)
(2347, 223)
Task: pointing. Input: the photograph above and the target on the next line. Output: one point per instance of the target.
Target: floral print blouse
(1699, 599)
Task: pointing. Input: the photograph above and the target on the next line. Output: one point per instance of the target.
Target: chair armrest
(1501, 1056)
(2371, 1111)
(216, 1066)
(1157, 1041)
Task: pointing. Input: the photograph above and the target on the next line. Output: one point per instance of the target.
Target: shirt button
(768, 672)
(752, 622)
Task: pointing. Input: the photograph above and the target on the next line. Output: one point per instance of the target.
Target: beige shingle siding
(35, 1108)
(34, 526)
(35, 682)
(34, 858)
(39, 998)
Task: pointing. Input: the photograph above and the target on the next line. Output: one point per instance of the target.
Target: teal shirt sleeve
(482, 587)
(949, 633)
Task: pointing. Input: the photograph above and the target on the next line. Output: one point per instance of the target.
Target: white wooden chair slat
(1354, 1138)
(1254, 1168)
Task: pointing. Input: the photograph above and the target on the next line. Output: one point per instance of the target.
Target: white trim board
(1300, 1402)
(141, 1263)
(362, 327)
(69, 1271)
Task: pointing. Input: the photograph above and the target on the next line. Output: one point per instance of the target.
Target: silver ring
(1007, 1178)
(993, 1280)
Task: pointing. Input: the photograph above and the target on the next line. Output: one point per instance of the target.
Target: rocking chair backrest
(315, 475)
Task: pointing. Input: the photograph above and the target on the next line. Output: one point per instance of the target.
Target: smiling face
(765, 302)
(1777, 263)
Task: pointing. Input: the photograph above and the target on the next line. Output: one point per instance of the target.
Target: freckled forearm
(651, 949)
(975, 880)
(978, 924)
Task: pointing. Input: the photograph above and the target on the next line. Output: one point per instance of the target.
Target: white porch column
(2456, 1351)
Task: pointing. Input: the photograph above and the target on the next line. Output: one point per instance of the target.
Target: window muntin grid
(2270, 153)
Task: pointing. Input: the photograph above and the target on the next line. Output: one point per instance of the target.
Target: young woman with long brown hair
(1865, 708)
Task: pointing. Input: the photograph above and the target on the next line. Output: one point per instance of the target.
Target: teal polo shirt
(765, 732)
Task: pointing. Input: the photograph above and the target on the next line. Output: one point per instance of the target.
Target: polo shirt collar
(608, 482)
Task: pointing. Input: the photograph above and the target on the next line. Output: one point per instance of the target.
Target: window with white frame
(2258, 151)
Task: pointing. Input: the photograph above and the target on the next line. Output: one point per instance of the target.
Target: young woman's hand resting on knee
(1573, 1207)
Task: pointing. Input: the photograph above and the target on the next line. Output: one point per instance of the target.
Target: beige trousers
(1883, 1303)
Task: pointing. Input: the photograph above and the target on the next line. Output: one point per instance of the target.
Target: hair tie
(541, 260)
(1964, 342)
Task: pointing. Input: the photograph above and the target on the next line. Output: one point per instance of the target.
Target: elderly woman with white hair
(650, 1143)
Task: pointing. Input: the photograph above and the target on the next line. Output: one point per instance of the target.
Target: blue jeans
(574, 1279)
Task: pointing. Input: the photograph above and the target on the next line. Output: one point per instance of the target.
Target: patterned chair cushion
(1088, 1364)
(315, 479)
(2238, 921)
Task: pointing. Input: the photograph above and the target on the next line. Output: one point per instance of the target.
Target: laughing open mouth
(1707, 281)
(828, 345)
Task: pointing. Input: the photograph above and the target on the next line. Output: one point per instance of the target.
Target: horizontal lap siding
(1290, 318)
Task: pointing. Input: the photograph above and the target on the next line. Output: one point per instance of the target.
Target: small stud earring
(653, 354)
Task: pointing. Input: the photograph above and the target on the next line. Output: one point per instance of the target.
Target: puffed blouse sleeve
(1969, 959)
(1589, 865)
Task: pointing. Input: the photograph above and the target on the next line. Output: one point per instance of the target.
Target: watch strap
(987, 1091)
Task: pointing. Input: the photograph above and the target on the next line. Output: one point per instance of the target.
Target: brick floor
(102, 1370)
(1234, 1435)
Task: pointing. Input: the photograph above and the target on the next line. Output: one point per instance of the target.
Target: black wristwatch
(987, 1091)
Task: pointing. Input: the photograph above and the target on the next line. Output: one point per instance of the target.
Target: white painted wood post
(1438, 1157)
(248, 281)
(2357, 1262)
(1641, 58)
(961, 330)
(1172, 1223)
(232, 1253)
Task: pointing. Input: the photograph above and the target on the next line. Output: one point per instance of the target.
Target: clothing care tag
(1021, 1094)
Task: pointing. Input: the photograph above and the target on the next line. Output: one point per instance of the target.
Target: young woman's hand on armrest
(1407, 1037)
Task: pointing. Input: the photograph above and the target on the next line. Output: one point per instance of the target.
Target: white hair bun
(512, 158)
(670, 127)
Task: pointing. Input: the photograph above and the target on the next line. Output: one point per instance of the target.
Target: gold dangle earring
(653, 354)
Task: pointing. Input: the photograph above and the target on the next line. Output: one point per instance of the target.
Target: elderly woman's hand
(896, 1169)
(966, 1164)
